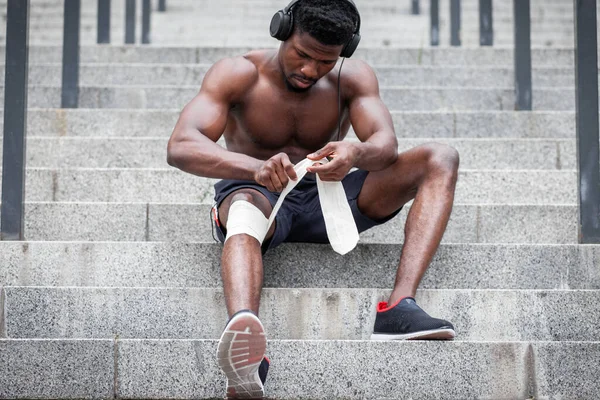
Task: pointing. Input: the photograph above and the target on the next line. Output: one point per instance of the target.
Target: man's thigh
(387, 191)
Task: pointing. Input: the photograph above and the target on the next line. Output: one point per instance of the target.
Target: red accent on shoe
(216, 216)
(267, 358)
(382, 306)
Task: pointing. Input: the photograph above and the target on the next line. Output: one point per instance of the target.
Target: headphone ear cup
(351, 46)
(276, 22)
(281, 25)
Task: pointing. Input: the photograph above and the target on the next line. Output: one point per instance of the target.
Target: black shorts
(300, 218)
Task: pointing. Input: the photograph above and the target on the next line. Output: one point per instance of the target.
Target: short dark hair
(331, 22)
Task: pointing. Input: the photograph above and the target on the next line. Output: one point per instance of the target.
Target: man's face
(305, 60)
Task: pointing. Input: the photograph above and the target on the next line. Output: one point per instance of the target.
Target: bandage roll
(246, 218)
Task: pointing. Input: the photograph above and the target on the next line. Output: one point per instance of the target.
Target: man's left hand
(342, 155)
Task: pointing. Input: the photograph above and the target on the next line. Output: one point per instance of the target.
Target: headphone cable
(339, 102)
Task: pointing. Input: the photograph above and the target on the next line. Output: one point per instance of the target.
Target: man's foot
(241, 356)
(406, 320)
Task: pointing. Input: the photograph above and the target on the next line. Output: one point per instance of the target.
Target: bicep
(368, 113)
(206, 114)
(222, 86)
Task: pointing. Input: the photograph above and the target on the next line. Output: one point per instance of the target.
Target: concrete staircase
(116, 292)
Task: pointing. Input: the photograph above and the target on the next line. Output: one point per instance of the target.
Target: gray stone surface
(52, 369)
(2, 310)
(396, 98)
(298, 265)
(178, 54)
(179, 222)
(100, 124)
(154, 264)
(191, 222)
(306, 314)
(514, 187)
(124, 152)
(173, 186)
(557, 224)
(85, 221)
(193, 74)
(375, 370)
(564, 375)
(509, 124)
(567, 155)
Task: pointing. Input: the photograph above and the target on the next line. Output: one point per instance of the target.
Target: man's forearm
(212, 161)
(375, 155)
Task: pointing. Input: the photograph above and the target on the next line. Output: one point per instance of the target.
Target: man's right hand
(275, 173)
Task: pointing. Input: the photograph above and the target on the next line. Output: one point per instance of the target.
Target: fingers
(289, 167)
(331, 171)
(276, 172)
(324, 152)
(322, 168)
(276, 184)
(279, 177)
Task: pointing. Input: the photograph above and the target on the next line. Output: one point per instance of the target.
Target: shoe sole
(434, 334)
(239, 354)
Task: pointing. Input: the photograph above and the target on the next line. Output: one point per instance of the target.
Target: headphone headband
(282, 25)
(290, 6)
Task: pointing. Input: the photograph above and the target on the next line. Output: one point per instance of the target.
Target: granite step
(173, 186)
(148, 152)
(444, 56)
(299, 314)
(397, 98)
(542, 224)
(263, 40)
(125, 124)
(187, 369)
(193, 74)
(297, 265)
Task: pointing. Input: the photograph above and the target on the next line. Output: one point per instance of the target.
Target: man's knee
(442, 160)
(246, 211)
(251, 196)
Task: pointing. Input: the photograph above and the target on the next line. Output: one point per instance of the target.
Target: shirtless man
(277, 107)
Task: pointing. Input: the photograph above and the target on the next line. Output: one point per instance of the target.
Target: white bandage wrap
(339, 222)
(246, 218)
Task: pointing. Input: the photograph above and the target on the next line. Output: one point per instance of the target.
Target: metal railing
(15, 92)
(15, 118)
(588, 141)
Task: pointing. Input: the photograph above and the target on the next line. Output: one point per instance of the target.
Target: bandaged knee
(246, 218)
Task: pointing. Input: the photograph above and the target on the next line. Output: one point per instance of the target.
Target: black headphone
(282, 25)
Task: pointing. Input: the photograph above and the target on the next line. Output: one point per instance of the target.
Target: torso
(269, 119)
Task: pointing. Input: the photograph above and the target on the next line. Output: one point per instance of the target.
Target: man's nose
(310, 70)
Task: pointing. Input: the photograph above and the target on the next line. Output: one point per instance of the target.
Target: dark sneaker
(241, 356)
(406, 320)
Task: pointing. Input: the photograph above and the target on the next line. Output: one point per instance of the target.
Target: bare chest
(273, 120)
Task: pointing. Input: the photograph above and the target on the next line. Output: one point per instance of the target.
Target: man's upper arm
(223, 85)
(368, 113)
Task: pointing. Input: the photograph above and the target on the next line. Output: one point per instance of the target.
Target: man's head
(318, 32)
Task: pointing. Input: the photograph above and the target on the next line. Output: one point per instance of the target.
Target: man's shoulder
(238, 73)
(238, 70)
(358, 77)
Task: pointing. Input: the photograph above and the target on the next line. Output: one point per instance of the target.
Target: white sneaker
(240, 352)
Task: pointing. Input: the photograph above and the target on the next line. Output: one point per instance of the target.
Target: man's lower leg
(242, 273)
(425, 226)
